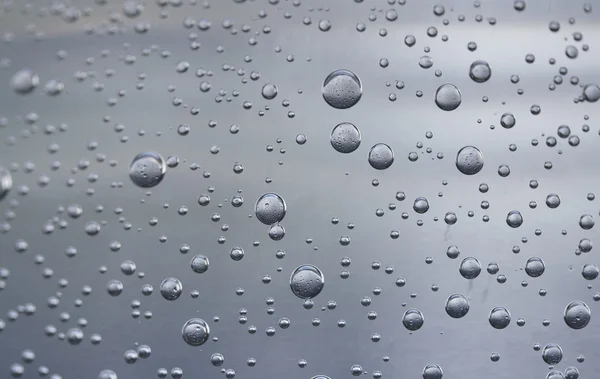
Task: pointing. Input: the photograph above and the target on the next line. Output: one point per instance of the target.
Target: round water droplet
(586, 222)
(24, 81)
(514, 219)
(457, 306)
(470, 268)
(195, 331)
(276, 232)
(5, 182)
(307, 281)
(552, 354)
(269, 91)
(534, 267)
(381, 156)
(199, 264)
(107, 374)
(590, 271)
(571, 373)
(448, 97)
(499, 318)
(171, 288)
(577, 314)
(591, 92)
(480, 71)
(432, 371)
(342, 89)
(469, 160)
(270, 208)
(147, 169)
(413, 319)
(555, 375)
(552, 200)
(236, 253)
(345, 138)
(508, 120)
(421, 205)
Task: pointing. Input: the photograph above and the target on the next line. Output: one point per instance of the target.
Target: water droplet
(421, 205)
(270, 208)
(345, 138)
(577, 315)
(555, 375)
(24, 81)
(199, 264)
(470, 268)
(147, 169)
(413, 319)
(276, 232)
(381, 156)
(171, 288)
(236, 253)
(5, 182)
(552, 354)
(591, 92)
(195, 331)
(507, 120)
(514, 219)
(480, 71)
(342, 89)
(432, 371)
(457, 306)
(269, 91)
(307, 281)
(469, 160)
(586, 222)
(499, 318)
(534, 267)
(448, 97)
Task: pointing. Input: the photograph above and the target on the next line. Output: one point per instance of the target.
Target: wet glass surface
(298, 189)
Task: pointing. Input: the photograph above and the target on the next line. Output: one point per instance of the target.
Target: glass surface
(299, 188)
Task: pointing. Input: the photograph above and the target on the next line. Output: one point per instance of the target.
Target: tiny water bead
(448, 97)
(381, 156)
(469, 160)
(345, 138)
(457, 306)
(480, 71)
(413, 319)
(552, 354)
(195, 331)
(577, 314)
(307, 281)
(270, 208)
(432, 371)
(499, 318)
(147, 169)
(342, 89)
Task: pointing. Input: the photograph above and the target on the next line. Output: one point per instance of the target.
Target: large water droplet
(499, 318)
(480, 71)
(448, 97)
(552, 354)
(345, 138)
(413, 319)
(171, 288)
(469, 160)
(195, 331)
(24, 81)
(147, 169)
(342, 89)
(307, 281)
(514, 219)
(199, 264)
(534, 267)
(457, 306)
(269, 91)
(270, 208)
(577, 314)
(432, 371)
(381, 156)
(470, 268)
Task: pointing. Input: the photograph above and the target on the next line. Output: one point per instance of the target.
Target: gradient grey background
(313, 182)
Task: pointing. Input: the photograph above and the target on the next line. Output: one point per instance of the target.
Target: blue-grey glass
(140, 137)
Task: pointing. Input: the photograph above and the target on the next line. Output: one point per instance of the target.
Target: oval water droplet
(469, 160)
(480, 71)
(381, 156)
(342, 89)
(307, 281)
(577, 315)
(413, 319)
(270, 208)
(499, 318)
(457, 306)
(195, 331)
(147, 169)
(345, 138)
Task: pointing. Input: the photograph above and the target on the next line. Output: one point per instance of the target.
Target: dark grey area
(317, 183)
